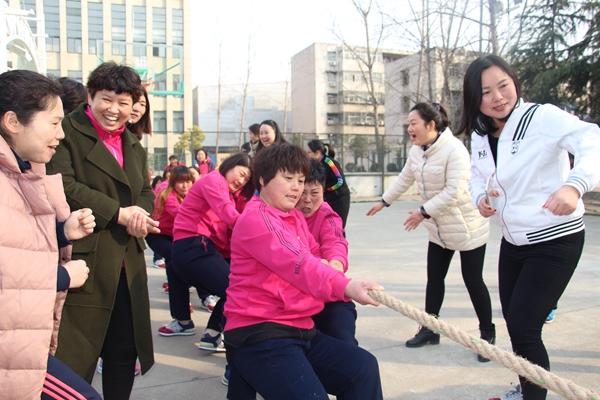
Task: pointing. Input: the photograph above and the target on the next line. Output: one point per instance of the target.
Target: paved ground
(381, 250)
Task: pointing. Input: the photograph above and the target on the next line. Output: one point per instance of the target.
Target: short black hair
(114, 77)
(285, 157)
(317, 173)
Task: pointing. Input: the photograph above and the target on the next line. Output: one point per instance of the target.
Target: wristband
(424, 213)
(382, 201)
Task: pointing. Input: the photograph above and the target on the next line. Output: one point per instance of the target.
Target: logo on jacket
(482, 154)
(515, 146)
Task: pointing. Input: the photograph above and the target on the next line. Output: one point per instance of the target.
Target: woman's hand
(375, 209)
(337, 264)
(358, 290)
(414, 220)
(125, 214)
(563, 201)
(79, 224)
(485, 209)
(140, 225)
(78, 273)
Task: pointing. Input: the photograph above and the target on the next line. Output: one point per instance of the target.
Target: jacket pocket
(86, 249)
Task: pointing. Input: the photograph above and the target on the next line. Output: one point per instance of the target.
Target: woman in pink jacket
(278, 282)
(338, 318)
(201, 235)
(35, 223)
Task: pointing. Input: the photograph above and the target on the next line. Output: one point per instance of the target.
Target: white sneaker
(209, 303)
(160, 263)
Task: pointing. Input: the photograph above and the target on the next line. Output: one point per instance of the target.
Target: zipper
(427, 199)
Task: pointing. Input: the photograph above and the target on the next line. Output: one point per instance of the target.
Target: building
(153, 36)
(329, 90)
(263, 101)
(427, 77)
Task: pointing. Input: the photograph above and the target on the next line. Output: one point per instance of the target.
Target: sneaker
(209, 303)
(212, 343)
(160, 263)
(191, 308)
(167, 290)
(225, 379)
(514, 394)
(138, 369)
(550, 317)
(175, 328)
(100, 366)
(166, 284)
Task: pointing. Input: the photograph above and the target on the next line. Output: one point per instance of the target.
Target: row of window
(118, 27)
(159, 125)
(347, 54)
(354, 98)
(353, 119)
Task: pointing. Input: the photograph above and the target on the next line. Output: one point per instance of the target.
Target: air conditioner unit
(333, 63)
(330, 122)
(332, 84)
(381, 122)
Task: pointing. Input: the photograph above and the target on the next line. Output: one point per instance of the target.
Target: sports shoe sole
(177, 334)
(210, 347)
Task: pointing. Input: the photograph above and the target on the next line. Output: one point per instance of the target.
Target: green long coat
(93, 178)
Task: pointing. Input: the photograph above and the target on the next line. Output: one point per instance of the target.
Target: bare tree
(219, 88)
(246, 83)
(366, 60)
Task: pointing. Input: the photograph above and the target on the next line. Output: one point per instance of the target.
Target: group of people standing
(257, 234)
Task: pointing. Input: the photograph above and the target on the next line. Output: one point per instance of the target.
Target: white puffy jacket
(442, 174)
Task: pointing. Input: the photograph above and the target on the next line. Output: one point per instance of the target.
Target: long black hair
(243, 160)
(472, 118)
(325, 149)
(278, 135)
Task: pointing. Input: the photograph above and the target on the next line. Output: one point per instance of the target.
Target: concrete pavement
(382, 251)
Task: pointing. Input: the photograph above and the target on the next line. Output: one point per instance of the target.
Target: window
(405, 77)
(139, 24)
(51, 17)
(178, 122)
(159, 25)
(95, 31)
(139, 50)
(332, 98)
(30, 5)
(160, 82)
(118, 28)
(176, 82)
(73, 26)
(160, 157)
(75, 75)
(333, 119)
(159, 51)
(331, 56)
(177, 31)
(54, 72)
(160, 122)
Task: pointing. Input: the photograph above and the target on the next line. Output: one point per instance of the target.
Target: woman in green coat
(103, 167)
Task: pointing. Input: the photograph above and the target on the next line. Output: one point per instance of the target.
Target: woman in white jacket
(439, 163)
(521, 177)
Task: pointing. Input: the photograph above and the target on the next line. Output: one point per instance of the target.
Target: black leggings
(531, 280)
(118, 351)
(471, 263)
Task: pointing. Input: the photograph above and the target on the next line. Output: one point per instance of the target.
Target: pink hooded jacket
(276, 271)
(30, 307)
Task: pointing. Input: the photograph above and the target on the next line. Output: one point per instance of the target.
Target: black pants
(341, 205)
(118, 351)
(471, 265)
(197, 263)
(531, 280)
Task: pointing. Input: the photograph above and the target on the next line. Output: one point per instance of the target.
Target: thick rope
(521, 366)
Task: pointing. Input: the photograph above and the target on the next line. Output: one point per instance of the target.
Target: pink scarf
(112, 140)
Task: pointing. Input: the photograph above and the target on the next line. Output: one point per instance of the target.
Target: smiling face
(38, 140)
(311, 199)
(237, 177)
(498, 94)
(420, 132)
(267, 135)
(111, 110)
(283, 191)
(200, 156)
(138, 110)
(182, 187)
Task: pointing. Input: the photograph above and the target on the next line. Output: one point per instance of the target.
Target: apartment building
(152, 36)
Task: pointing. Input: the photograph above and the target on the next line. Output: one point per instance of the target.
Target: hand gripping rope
(521, 366)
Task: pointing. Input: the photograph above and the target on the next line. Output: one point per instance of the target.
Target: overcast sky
(277, 29)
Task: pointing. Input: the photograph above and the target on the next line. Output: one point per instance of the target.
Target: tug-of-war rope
(521, 366)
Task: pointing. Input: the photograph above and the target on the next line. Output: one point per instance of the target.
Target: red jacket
(276, 271)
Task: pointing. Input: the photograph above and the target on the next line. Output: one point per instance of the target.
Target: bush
(391, 167)
(374, 167)
(350, 167)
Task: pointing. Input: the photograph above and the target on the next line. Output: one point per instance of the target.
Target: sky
(275, 30)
